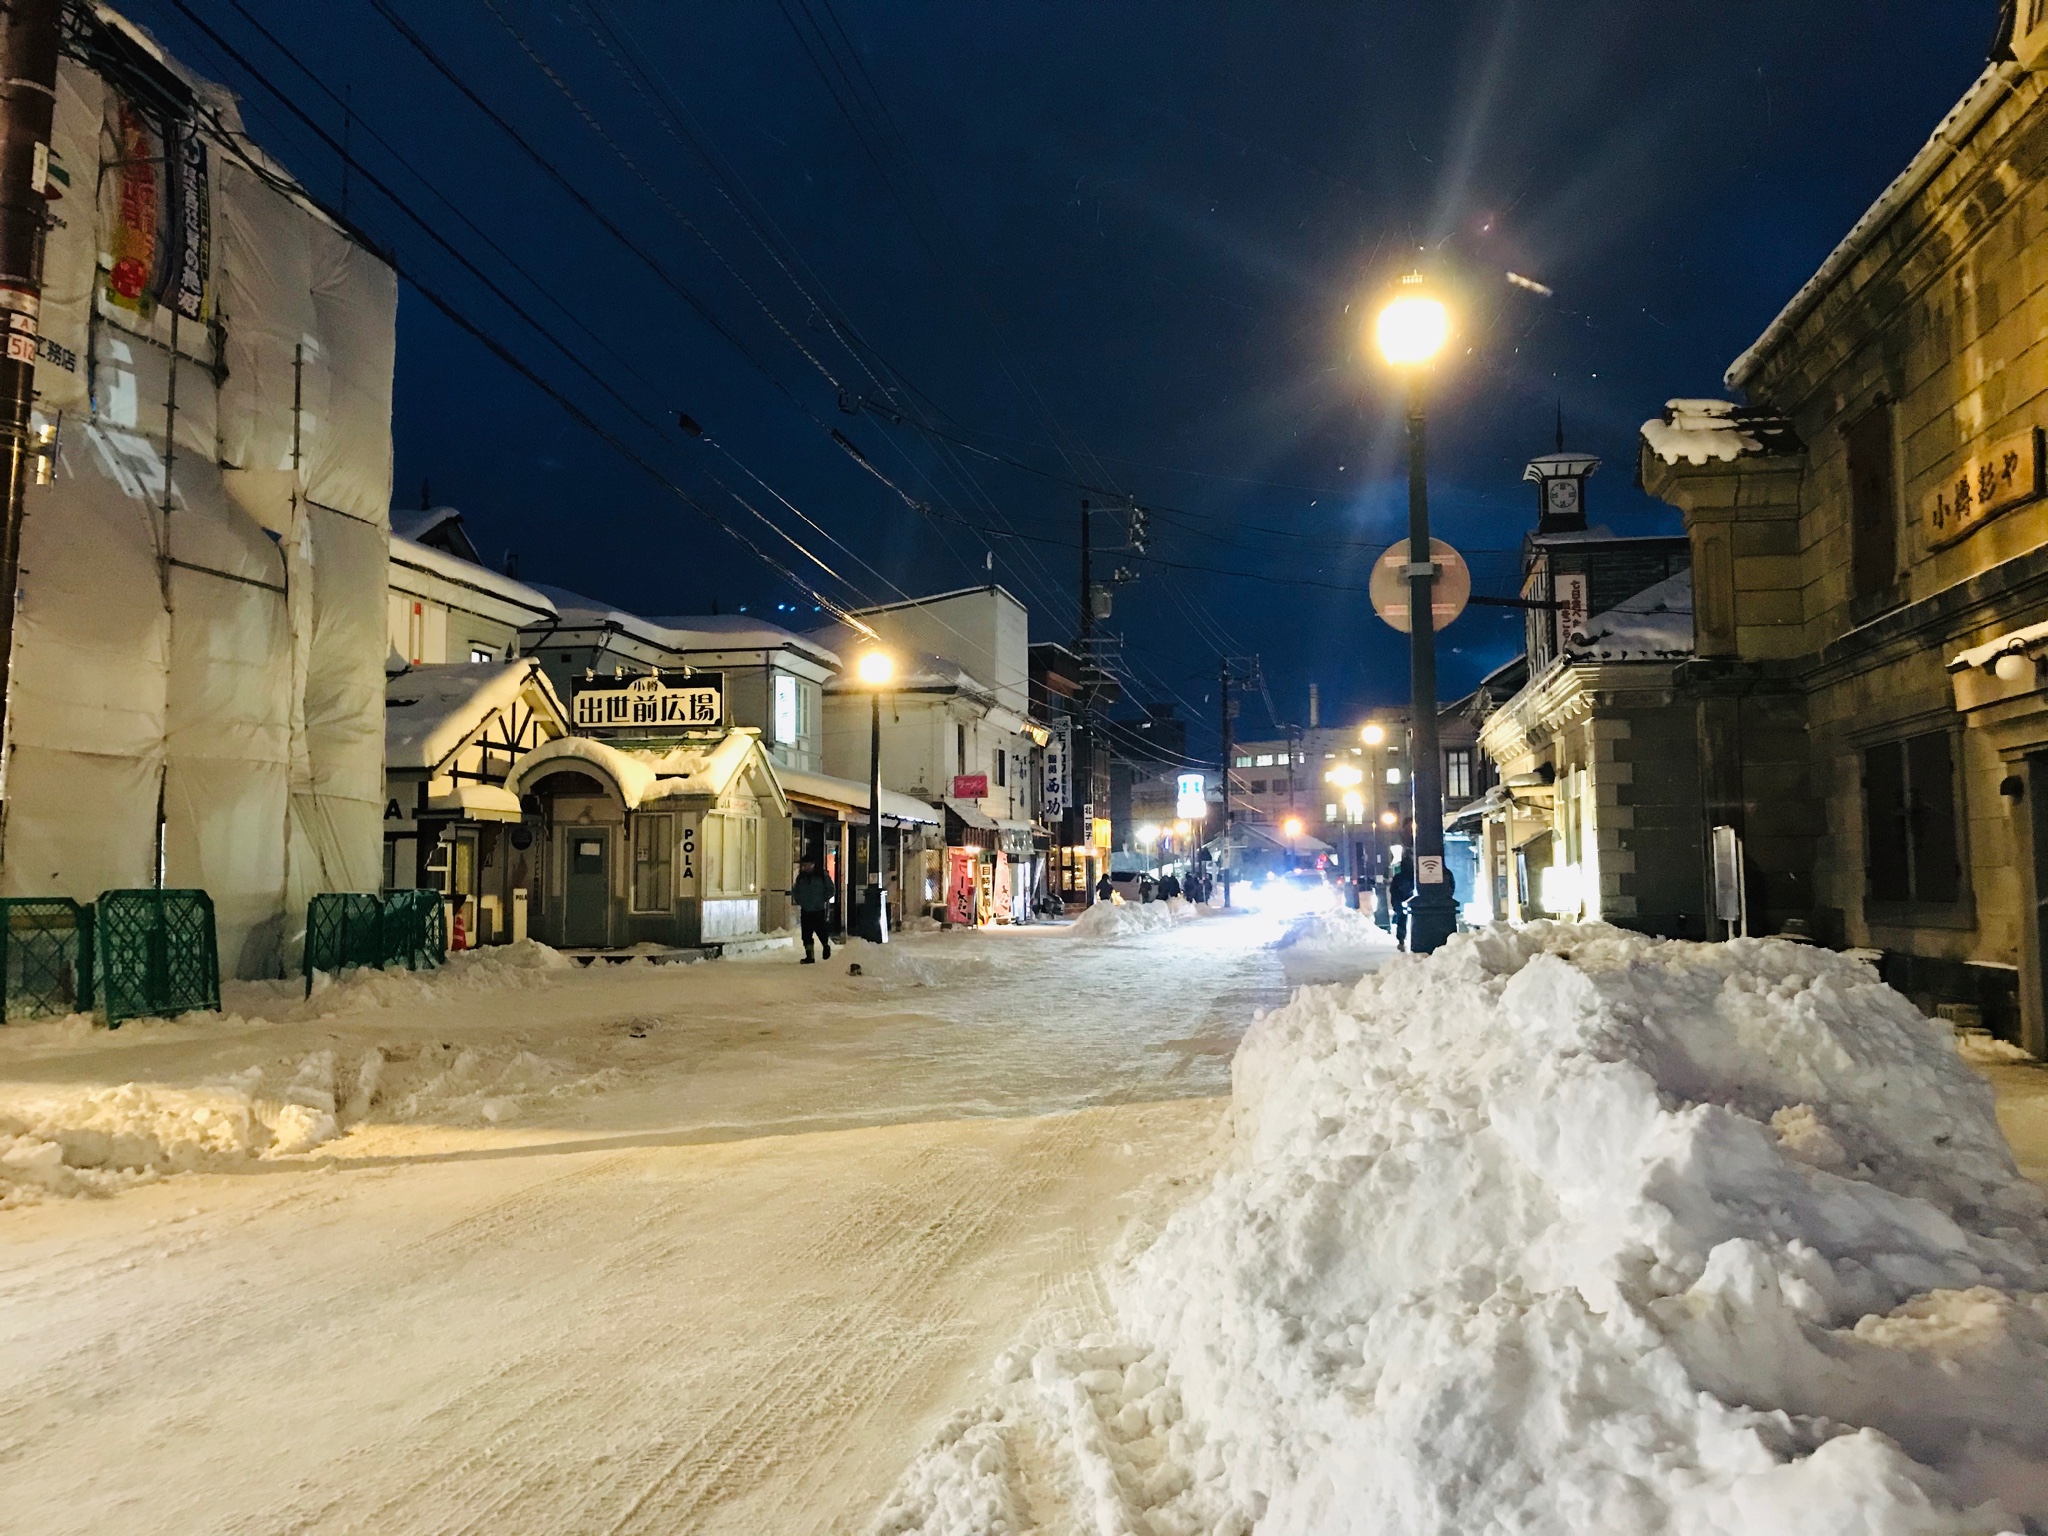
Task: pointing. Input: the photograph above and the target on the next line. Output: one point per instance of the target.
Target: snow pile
(1334, 928)
(1697, 431)
(1567, 1230)
(1116, 918)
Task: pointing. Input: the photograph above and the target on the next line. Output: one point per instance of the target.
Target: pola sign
(649, 703)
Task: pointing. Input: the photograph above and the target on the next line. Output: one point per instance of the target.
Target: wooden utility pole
(1227, 745)
(28, 101)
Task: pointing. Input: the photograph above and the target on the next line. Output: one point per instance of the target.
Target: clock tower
(1561, 490)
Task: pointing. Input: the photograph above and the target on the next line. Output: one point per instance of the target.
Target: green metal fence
(45, 956)
(348, 929)
(155, 954)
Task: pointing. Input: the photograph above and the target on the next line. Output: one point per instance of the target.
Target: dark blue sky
(1125, 245)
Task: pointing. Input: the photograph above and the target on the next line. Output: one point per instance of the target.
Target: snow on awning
(478, 802)
(971, 815)
(847, 794)
(1705, 431)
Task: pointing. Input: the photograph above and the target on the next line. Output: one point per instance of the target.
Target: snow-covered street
(705, 1248)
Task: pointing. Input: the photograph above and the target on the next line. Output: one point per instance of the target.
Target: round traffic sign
(1449, 593)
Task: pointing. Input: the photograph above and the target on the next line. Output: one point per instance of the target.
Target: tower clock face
(1564, 495)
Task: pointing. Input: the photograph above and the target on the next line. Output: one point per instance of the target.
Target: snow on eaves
(1706, 431)
(2014, 642)
(1949, 135)
(430, 711)
(1654, 625)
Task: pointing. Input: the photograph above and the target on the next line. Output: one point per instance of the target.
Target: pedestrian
(1400, 887)
(1103, 887)
(1169, 888)
(814, 895)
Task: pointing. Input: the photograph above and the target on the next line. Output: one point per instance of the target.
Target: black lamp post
(1411, 330)
(876, 669)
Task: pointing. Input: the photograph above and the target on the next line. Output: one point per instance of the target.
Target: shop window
(1458, 773)
(1912, 853)
(1873, 502)
(654, 842)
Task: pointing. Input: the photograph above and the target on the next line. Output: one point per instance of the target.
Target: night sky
(1041, 247)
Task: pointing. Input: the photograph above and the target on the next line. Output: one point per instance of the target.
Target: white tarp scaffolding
(199, 686)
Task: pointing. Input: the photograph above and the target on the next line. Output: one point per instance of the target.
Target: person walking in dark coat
(1400, 887)
(814, 895)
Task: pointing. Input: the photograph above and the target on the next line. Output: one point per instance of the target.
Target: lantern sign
(1448, 593)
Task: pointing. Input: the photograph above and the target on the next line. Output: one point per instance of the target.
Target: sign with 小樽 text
(649, 703)
(1997, 477)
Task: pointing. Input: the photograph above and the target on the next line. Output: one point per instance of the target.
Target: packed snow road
(703, 1248)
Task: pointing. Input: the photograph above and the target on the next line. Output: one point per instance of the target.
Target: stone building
(1870, 545)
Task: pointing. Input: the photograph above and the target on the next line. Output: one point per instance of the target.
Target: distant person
(813, 894)
(1104, 889)
(1169, 888)
(1400, 889)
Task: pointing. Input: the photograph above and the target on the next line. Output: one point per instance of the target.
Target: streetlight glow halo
(876, 668)
(1411, 329)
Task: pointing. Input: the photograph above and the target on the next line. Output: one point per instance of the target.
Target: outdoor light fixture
(1344, 774)
(1412, 327)
(1148, 834)
(1388, 818)
(1373, 734)
(2012, 666)
(876, 668)
(1291, 826)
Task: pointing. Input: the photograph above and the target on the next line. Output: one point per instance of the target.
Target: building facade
(1870, 544)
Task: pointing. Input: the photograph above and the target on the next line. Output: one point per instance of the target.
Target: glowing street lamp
(1411, 329)
(876, 669)
(1373, 734)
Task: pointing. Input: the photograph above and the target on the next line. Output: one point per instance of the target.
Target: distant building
(445, 605)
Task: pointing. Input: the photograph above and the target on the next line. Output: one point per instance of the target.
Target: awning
(477, 802)
(1493, 802)
(847, 795)
(971, 816)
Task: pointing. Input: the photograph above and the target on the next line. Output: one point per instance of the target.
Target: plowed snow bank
(1117, 918)
(1567, 1230)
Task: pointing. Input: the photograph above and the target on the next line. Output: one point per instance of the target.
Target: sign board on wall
(686, 858)
(655, 702)
(1190, 797)
(960, 885)
(970, 786)
(999, 906)
(1569, 590)
(1058, 760)
(1990, 481)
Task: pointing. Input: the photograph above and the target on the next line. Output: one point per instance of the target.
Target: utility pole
(28, 99)
(1087, 585)
(1082, 769)
(1226, 782)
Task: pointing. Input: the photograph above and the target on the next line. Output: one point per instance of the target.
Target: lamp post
(1411, 329)
(876, 668)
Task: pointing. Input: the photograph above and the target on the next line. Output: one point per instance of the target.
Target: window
(1393, 775)
(654, 842)
(1873, 502)
(786, 724)
(1329, 813)
(960, 748)
(1002, 767)
(1258, 786)
(1263, 760)
(1458, 773)
(1909, 812)
(1243, 762)
(482, 653)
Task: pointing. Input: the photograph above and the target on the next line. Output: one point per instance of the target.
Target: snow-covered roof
(2018, 642)
(417, 525)
(854, 796)
(430, 711)
(1654, 625)
(643, 774)
(1984, 94)
(1707, 431)
(739, 632)
(438, 562)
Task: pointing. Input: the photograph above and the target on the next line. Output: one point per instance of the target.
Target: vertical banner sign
(686, 858)
(187, 268)
(1569, 588)
(960, 879)
(1002, 891)
(138, 212)
(1058, 752)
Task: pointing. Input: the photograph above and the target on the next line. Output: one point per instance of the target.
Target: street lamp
(875, 669)
(1373, 734)
(1411, 330)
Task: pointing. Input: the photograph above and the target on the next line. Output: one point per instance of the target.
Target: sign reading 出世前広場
(2000, 476)
(652, 702)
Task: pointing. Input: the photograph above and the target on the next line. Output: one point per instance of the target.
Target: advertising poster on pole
(960, 883)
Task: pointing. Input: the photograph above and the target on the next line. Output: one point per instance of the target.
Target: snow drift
(1331, 928)
(1565, 1230)
(1117, 918)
